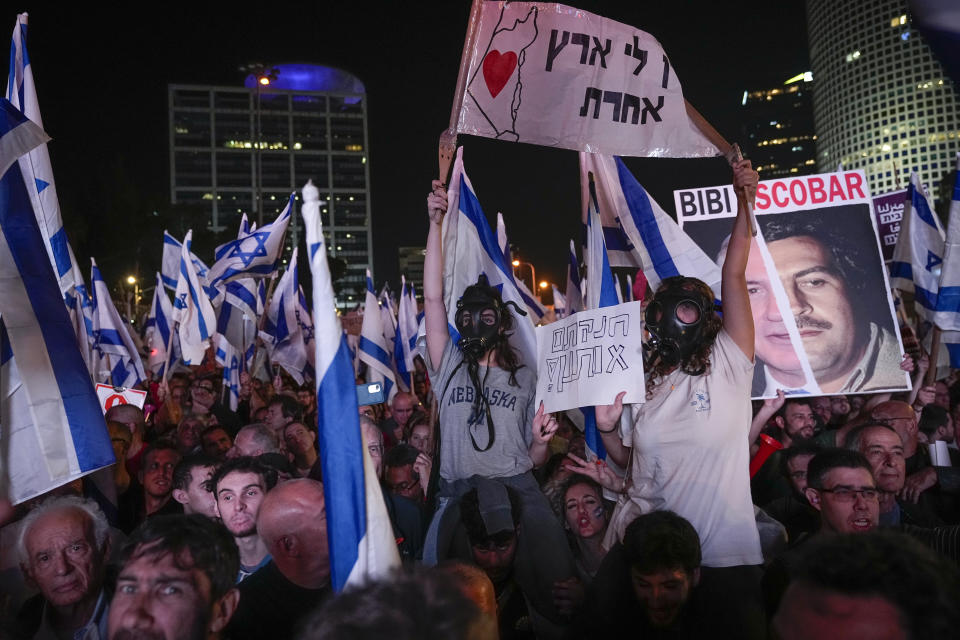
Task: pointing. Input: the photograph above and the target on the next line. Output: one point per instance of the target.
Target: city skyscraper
(882, 102)
(236, 150)
(777, 126)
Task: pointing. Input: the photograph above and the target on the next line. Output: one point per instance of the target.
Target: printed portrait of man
(832, 277)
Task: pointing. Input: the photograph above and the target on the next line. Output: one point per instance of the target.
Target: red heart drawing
(497, 69)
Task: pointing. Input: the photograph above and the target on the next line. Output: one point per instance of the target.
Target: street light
(533, 273)
(264, 75)
(544, 284)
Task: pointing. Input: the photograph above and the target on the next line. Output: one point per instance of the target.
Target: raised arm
(434, 311)
(737, 318)
(767, 411)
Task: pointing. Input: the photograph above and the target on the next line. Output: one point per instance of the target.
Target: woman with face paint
(488, 425)
(586, 518)
(686, 449)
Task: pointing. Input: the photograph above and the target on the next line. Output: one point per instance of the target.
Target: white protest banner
(110, 396)
(556, 76)
(590, 357)
(821, 303)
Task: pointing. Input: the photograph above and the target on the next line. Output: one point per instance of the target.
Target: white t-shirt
(691, 456)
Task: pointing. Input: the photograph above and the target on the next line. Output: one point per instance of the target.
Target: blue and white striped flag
(404, 347)
(388, 322)
(281, 334)
(559, 303)
(119, 357)
(918, 256)
(470, 248)
(157, 329)
(601, 287)
(226, 357)
(360, 536)
(192, 309)
(602, 291)
(947, 315)
(574, 294)
(305, 320)
(35, 166)
(239, 327)
(255, 254)
(52, 425)
(534, 307)
(170, 263)
(373, 350)
(659, 245)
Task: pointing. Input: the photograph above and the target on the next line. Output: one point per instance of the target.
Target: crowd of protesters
(506, 524)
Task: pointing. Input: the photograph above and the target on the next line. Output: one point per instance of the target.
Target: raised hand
(436, 202)
(544, 426)
(597, 470)
(422, 466)
(775, 404)
(609, 415)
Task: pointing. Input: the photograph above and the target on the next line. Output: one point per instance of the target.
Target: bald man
(292, 523)
(402, 408)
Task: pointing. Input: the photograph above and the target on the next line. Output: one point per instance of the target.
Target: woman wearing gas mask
(487, 424)
(686, 448)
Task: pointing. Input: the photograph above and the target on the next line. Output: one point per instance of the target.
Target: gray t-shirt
(511, 408)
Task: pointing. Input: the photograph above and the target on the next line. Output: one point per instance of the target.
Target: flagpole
(448, 139)
(931, 376)
(731, 151)
(166, 364)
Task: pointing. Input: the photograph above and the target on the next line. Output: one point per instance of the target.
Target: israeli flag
(388, 321)
(120, 363)
(282, 335)
(534, 306)
(404, 347)
(239, 328)
(53, 428)
(170, 263)
(574, 294)
(226, 356)
(947, 315)
(918, 256)
(192, 309)
(559, 303)
(659, 245)
(470, 248)
(601, 287)
(373, 346)
(255, 254)
(35, 166)
(362, 546)
(157, 329)
(305, 320)
(80, 306)
(602, 291)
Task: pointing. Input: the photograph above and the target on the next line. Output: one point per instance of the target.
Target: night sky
(102, 81)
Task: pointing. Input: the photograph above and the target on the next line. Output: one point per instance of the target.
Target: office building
(236, 150)
(882, 103)
(777, 130)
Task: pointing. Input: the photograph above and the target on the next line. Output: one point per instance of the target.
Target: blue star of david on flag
(259, 241)
(254, 254)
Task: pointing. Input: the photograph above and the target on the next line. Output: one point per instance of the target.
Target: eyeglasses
(849, 494)
(204, 388)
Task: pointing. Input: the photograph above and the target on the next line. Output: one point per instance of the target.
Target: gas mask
(479, 326)
(479, 315)
(677, 318)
